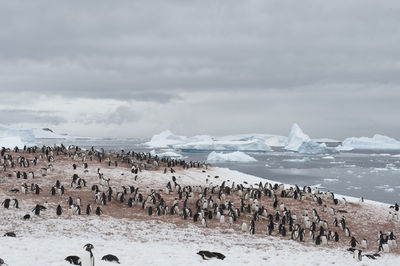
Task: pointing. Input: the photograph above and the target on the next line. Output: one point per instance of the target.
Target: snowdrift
(236, 156)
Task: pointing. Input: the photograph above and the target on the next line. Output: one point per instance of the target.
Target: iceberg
(225, 145)
(300, 142)
(170, 154)
(270, 140)
(236, 156)
(296, 138)
(11, 142)
(167, 139)
(11, 136)
(377, 142)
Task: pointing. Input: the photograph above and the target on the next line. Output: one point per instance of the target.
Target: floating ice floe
(386, 188)
(300, 142)
(303, 160)
(377, 142)
(331, 180)
(236, 156)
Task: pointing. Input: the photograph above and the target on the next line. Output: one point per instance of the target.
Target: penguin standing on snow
(98, 211)
(75, 260)
(59, 210)
(2, 262)
(88, 209)
(111, 258)
(353, 242)
(88, 258)
(252, 227)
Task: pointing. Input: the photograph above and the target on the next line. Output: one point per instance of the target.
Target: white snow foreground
(375, 143)
(154, 242)
(302, 143)
(157, 243)
(248, 142)
(236, 156)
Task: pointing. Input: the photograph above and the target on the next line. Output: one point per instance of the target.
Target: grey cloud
(122, 114)
(311, 62)
(15, 116)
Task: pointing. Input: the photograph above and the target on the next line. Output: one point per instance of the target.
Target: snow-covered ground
(48, 239)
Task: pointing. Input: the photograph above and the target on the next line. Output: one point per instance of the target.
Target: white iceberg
(377, 142)
(11, 142)
(236, 156)
(296, 138)
(167, 139)
(10, 136)
(300, 142)
(225, 145)
(170, 154)
(270, 140)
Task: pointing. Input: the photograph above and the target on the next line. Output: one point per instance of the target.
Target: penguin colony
(299, 214)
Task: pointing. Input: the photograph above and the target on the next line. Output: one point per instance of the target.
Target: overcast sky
(135, 68)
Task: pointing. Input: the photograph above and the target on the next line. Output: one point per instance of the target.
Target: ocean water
(374, 175)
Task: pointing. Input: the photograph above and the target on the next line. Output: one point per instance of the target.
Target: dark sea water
(374, 175)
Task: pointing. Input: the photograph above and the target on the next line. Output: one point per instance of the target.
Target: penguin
(26, 217)
(89, 258)
(353, 242)
(206, 255)
(16, 204)
(59, 210)
(38, 208)
(88, 209)
(98, 211)
(252, 227)
(110, 258)
(6, 203)
(10, 234)
(203, 222)
(347, 231)
(364, 243)
(2, 263)
(75, 260)
(244, 227)
(357, 255)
